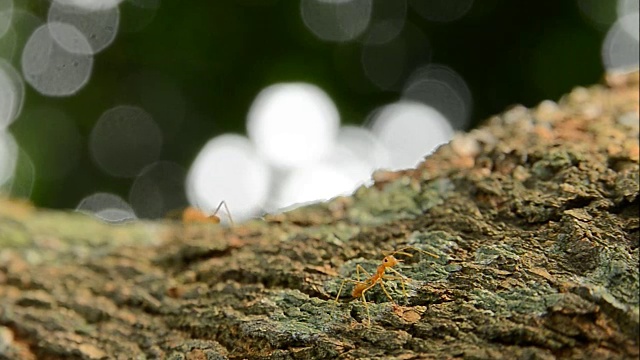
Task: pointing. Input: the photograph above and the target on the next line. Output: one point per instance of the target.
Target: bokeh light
(442, 88)
(23, 23)
(91, 5)
(336, 20)
(158, 190)
(387, 21)
(625, 7)
(410, 131)
(366, 147)
(6, 13)
(124, 140)
(98, 27)
(11, 94)
(51, 69)
(293, 70)
(312, 183)
(8, 156)
(107, 207)
(386, 65)
(356, 154)
(229, 169)
(629, 24)
(620, 47)
(21, 183)
(292, 124)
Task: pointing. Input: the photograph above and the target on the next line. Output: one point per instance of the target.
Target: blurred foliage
(220, 54)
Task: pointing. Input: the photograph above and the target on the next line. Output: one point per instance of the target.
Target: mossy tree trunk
(533, 217)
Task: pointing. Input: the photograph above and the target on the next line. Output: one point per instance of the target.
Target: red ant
(388, 262)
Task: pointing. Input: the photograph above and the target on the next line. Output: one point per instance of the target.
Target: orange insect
(193, 215)
(388, 262)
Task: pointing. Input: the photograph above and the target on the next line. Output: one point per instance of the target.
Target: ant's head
(390, 261)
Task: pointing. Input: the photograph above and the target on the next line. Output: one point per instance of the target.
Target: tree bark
(533, 218)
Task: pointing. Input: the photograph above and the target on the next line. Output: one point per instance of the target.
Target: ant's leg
(386, 292)
(402, 279)
(226, 208)
(344, 281)
(359, 269)
(340, 291)
(366, 307)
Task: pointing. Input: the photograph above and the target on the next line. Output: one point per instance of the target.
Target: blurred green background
(218, 55)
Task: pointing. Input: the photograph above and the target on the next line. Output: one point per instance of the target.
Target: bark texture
(533, 217)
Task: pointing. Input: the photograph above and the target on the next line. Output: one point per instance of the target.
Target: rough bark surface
(533, 217)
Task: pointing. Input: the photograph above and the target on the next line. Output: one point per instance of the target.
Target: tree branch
(533, 217)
